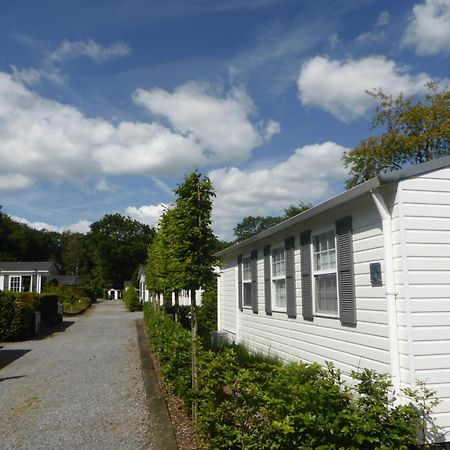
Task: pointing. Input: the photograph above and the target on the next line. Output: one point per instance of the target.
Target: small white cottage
(26, 276)
(362, 280)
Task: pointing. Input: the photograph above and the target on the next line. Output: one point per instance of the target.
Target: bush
(47, 305)
(256, 403)
(131, 299)
(16, 318)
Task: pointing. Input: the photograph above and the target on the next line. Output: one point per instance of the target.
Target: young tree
(193, 245)
(413, 132)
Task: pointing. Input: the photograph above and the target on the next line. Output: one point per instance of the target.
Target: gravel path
(80, 388)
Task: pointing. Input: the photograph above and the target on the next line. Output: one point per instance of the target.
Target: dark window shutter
(346, 283)
(254, 257)
(267, 281)
(6, 283)
(291, 302)
(306, 270)
(240, 282)
(34, 283)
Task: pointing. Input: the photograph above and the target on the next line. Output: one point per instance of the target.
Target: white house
(26, 276)
(362, 280)
(144, 294)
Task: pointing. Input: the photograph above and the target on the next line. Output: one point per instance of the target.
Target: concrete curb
(163, 435)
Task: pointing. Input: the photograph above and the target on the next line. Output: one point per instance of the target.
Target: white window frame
(276, 279)
(20, 283)
(327, 271)
(247, 281)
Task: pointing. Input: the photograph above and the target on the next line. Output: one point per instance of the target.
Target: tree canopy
(118, 245)
(412, 132)
(252, 225)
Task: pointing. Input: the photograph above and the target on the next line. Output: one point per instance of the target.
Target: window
(325, 286)
(247, 281)
(14, 284)
(26, 283)
(279, 278)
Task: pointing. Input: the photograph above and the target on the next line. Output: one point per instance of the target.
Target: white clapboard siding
(426, 231)
(228, 300)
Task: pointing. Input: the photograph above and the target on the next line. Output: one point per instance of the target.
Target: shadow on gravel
(49, 331)
(9, 356)
(12, 378)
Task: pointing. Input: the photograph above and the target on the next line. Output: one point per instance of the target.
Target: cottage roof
(363, 188)
(25, 266)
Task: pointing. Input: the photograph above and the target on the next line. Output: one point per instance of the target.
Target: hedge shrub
(131, 299)
(16, 318)
(257, 403)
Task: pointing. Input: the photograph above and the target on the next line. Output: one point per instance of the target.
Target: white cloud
(35, 225)
(220, 124)
(13, 182)
(104, 185)
(383, 19)
(56, 142)
(339, 86)
(88, 49)
(272, 128)
(309, 174)
(429, 28)
(81, 226)
(148, 214)
(32, 76)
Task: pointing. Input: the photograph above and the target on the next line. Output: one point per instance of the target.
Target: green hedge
(131, 299)
(16, 318)
(254, 403)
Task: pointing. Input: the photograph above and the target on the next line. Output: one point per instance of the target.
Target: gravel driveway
(80, 388)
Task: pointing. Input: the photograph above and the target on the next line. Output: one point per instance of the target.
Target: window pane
(326, 293)
(278, 267)
(280, 293)
(324, 251)
(247, 294)
(247, 269)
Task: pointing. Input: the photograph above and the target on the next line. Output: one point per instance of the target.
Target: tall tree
(118, 245)
(412, 132)
(251, 225)
(293, 210)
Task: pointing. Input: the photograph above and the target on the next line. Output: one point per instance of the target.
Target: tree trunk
(177, 307)
(194, 328)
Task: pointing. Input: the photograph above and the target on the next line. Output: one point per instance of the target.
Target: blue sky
(106, 105)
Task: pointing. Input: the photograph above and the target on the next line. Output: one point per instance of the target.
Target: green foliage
(252, 225)
(47, 305)
(16, 318)
(293, 210)
(118, 245)
(171, 343)
(253, 402)
(207, 312)
(411, 133)
(131, 299)
(425, 401)
(194, 241)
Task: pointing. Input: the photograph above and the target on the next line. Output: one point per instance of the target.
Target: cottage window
(279, 278)
(247, 280)
(14, 283)
(325, 279)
